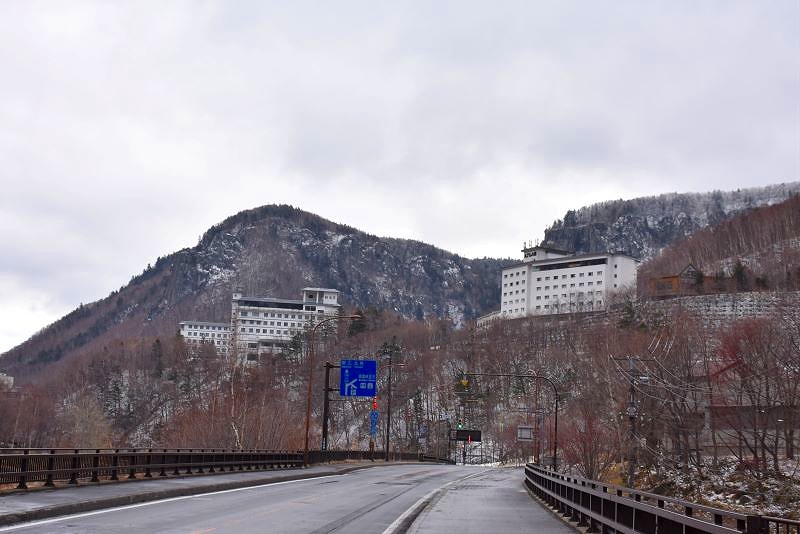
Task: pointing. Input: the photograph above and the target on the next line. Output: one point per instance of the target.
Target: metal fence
(608, 508)
(22, 466)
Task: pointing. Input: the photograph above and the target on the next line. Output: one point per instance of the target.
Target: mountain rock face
(274, 251)
(641, 227)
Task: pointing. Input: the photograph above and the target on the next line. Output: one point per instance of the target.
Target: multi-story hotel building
(262, 325)
(197, 332)
(552, 281)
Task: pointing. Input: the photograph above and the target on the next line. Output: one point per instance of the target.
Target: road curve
(425, 498)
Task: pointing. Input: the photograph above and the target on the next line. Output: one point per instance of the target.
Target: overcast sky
(127, 129)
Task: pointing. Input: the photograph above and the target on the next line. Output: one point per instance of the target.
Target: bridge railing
(609, 508)
(22, 466)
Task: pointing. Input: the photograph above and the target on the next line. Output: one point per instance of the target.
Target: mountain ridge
(276, 250)
(643, 226)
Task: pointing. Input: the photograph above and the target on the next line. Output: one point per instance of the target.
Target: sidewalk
(17, 507)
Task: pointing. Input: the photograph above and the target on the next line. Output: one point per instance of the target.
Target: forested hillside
(759, 248)
(641, 227)
(276, 251)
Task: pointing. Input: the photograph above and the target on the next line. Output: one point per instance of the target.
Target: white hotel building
(262, 325)
(551, 281)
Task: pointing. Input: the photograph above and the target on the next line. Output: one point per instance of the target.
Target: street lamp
(311, 334)
(555, 391)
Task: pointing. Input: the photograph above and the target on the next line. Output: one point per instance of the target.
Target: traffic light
(460, 424)
(375, 403)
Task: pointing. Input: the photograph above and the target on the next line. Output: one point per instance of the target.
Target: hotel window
(599, 273)
(589, 283)
(580, 274)
(572, 275)
(599, 282)
(590, 273)
(563, 286)
(539, 279)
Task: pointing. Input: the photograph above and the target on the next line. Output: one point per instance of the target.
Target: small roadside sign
(373, 424)
(524, 433)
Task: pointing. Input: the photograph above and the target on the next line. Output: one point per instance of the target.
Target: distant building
(263, 325)
(552, 281)
(675, 285)
(197, 332)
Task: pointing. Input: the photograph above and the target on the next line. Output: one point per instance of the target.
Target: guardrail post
(132, 465)
(756, 524)
(23, 471)
(190, 459)
(73, 475)
(95, 466)
(51, 465)
(148, 461)
(115, 464)
(163, 471)
(202, 461)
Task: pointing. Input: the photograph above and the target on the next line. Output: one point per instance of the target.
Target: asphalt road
(392, 499)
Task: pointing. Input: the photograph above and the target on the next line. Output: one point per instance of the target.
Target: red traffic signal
(375, 403)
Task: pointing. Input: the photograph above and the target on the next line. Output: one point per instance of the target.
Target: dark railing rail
(608, 508)
(22, 466)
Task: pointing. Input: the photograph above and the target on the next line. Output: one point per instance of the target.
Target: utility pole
(388, 351)
(633, 373)
(632, 429)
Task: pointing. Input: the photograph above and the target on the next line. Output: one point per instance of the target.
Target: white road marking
(139, 505)
(395, 526)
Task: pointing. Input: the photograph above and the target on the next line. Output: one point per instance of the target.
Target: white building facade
(197, 332)
(264, 325)
(551, 281)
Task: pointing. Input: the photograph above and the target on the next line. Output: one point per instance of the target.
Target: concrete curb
(112, 502)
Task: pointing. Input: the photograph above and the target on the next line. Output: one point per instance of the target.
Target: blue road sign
(357, 378)
(373, 424)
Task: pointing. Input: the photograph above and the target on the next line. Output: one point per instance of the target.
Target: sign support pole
(326, 404)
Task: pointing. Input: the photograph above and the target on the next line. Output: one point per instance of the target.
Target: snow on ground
(731, 487)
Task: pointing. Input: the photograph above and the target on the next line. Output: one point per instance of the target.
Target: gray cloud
(128, 129)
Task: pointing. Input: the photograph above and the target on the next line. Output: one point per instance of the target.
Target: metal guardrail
(22, 466)
(608, 508)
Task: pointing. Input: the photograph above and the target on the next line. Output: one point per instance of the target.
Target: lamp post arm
(311, 333)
